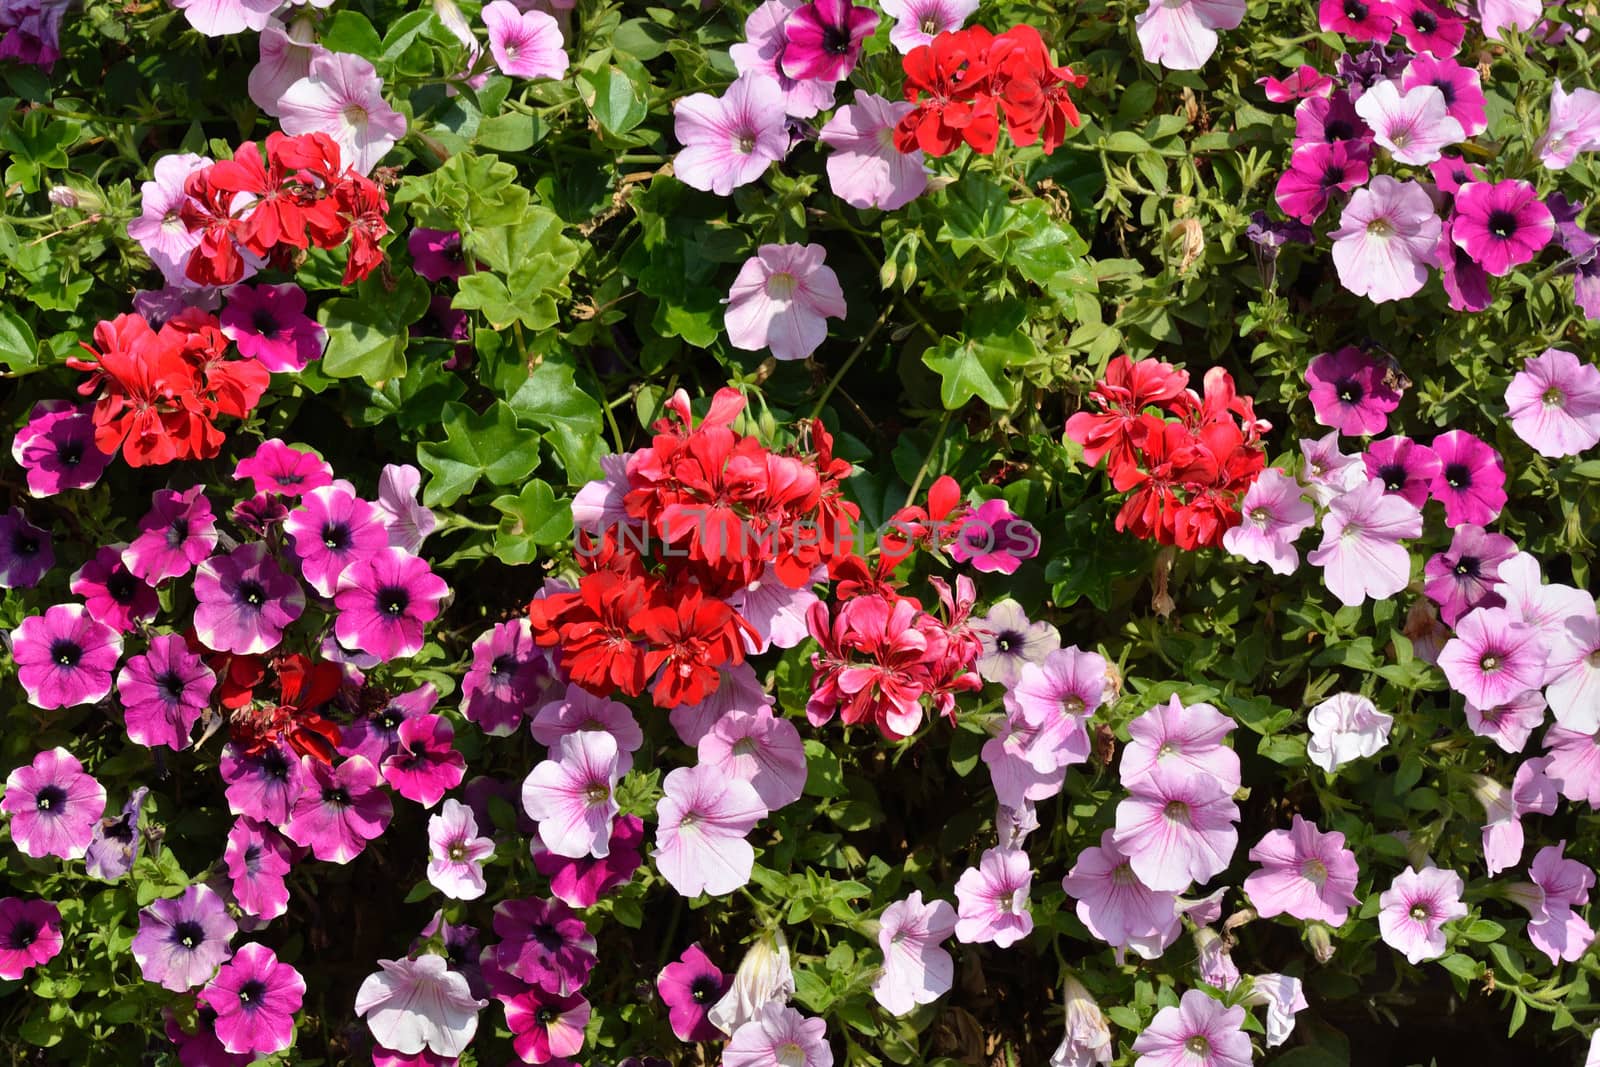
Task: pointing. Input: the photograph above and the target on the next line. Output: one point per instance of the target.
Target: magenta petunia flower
(545, 1026)
(1305, 81)
(55, 806)
(419, 1006)
(331, 529)
(436, 254)
(1509, 724)
(424, 764)
(1116, 906)
(257, 858)
(761, 53)
(1574, 127)
(992, 899)
(1554, 404)
(702, 820)
(1198, 1032)
(26, 554)
(164, 692)
(178, 532)
(409, 522)
(1361, 554)
(1329, 120)
(731, 140)
(916, 969)
(268, 323)
(278, 468)
(65, 657)
(1493, 657)
(339, 809)
(1415, 907)
(1429, 26)
(56, 448)
(1471, 479)
(456, 854)
(543, 944)
(1405, 468)
(782, 299)
(245, 601)
(507, 675)
(1360, 20)
(779, 1036)
(377, 735)
(1501, 225)
(342, 96)
(525, 44)
(264, 786)
(1315, 172)
(573, 794)
(1452, 172)
(30, 935)
(1415, 126)
(1388, 237)
(113, 595)
(993, 540)
(918, 22)
(255, 998)
(689, 987)
(1182, 34)
(759, 748)
(1463, 577)
(1461, 87)
(1186, 738)
(1465, 281)
(1345, 727)
(182, 941)
(1305, 873)
(1559, 885)
(579, 710)
(1178, 828)
(384, 601)
(1272, 515)
(865, 169)
(1351, 391)
(580, 882)
(823, 39)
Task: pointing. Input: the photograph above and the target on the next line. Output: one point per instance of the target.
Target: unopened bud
(1320, 940)
(63, 196)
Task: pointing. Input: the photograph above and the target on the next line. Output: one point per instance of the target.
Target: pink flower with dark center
(1415, 908)
(245, 601)
(1554, 403)
(30, 934)
(1463, 577)
(543, 944)
(1116, 906)
(1189, 739)
(424, 765)
(992, 899)
(1429, 26)
(277, 468)
(1331, 119)
(761, 749)
(1272, 515)
(1501, 225)
(1462, 88)
(456, 854)
(993, 540)
(1199, 1032)
(264, 786)
(113, 595)
(1471, 479)
(1405, 468)
(54, 806)
(507, 675)
(1558, 887)
(1305, 873)
(340, 809)
(331, 529)
(164, 692)
(916, 970)
(1508, 724)
(182, 941)
(26, 554)
(823, 39)
(65, 657)
(436, 254)
(257, 858)
(1361, 554)
(342, 96)
(1452, 172)
(1352, 392)
(545, 1026)
(268, 323)
(702, 820)
(573, 795)
(377, 736)
(782, 299)
(1415, 125)
(689, 988)
(177, 533)
(525, 44)
(1316, 172)
(731, 140)
(384, 600)
(255, 998)
(865, 169)
(761, 53)
(1465, 281)
(1178, 828)
(56, 448)
(1360, 20)
(580, 882)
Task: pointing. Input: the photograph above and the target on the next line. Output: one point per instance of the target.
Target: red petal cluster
(303, 688)
(965, 80)
(274, 210)
(1185, 467)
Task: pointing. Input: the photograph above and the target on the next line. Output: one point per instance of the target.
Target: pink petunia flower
(779, 1036)
(1305, 81)
(1471, 479)
(1178, 828)
(1415, 126)
(342, 96)
(424, 764)
(456, 854)
(1056, 697)
(223, 18)
(918, 22)
(1559, 885)
(1429, 26)
(1187, 738)
(1361, 554)
(1574, 127)
(30, 935)
(339, 810)
(1305, 872)
(384, 600)
(56, 448)
(279, 468)
(731, 140)
(1404, 467)
(284, 57)
(178, 532)
(164, 692)
(1554, 404)
(377, 734)
(823, 39)
(1463, 577)
(774, 611)
(1332, 120)
(409, 522)
(702, 820)
(1116, 906)
(1359, 20)
(545, 1027)
(263, 786)
(257, 858)
(1415, 908)
(761, 54)
(1462, 88)
(1272, 515)
(544, 944)
(1501, 225)
(739, 689)
(782, 299)
(1346, 727)
(331, 529)
(916, 970)
(993, 540)
(54, 806)
(419, 1005)
(1388, 237)
(1510, 723)
(525, 44)
(1573, 673)
(65, 657)
(1328, 473)
(1198, 1032)
(1574, 763)
(1544, 606)
(992, 899)
(255, 998)
(183, 940)
(111, 594)
(580, 882)
(507, 675)
(1531, 792)
(1351, 392)
(759, 748)
(245, 601)
(1465, 281)
(573, 794)
(689, 987)
(1497, 15)
(1493, 657)
(1182, 35)
(1283, 997)
(865, 169)
(579, 710)
(268, 323)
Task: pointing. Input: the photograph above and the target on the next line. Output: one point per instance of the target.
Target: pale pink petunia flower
(1361, 554)
(865, 169)
(1182, 34)
(1087, 1041)
(1416, 126)
(1178, 828)
(739, 690)
(580, 710)
(1493, 657)
(572, 795)
(782, 299)
(456, 854)
(776, 612)
(918, 22)
(1346, 727)
(1283, 997)
(730, 140)
(1531, 791)
(1415, 908)
(1573, 670)
(223, 18)
(759, 748)
(1328, 473)
(342, 96)
(1554, 403)
(1574, 763)
(1510, 723)
(285, 56)
(416, 1004)
(408, 521)
(992, 899)
(1544, 606)
(525, 44)
(1116, 906)
(761, 54)
(1272, 515)
(1388, 238)
(1305, 872)
(1559, 886)
(160, 229)
(779, 1036)
(1574, 127)
(916, 970)
(1199, 1032)
(702, 820)
(1497, 15)
(1187, 737)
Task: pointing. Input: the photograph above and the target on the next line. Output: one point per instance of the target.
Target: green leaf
(570, 417)
(532, 518)
(529, 263)
(1462, 966)
(349, 31)
(976, 368)
(1483, 930)
(18, 347)
(617, 101)
(368, 333)
(824, 774)
(490, 446)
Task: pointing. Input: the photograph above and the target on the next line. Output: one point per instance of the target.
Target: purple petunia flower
(164, 692)
(115, 847)
(689, 987)
(1471, 479)
(257, 858)
(112, 594)
(1351, 392)
(331, 529)
(424, 765)
(1465, 281)
(278, 468)
(54, 806)
(1463, 577)
(375, 736)
(761, 53)
(1554, 403)
(384, 600)
(823, 39)
(65, 657)
(268, 323)
(581, 882)
(265, 785)
(339, 809)
(177, 533)
(255, 998)
(1405, 468)
(182, 941)
(26, 554)
(245, 601)
(30, 934)
(507, 675)
(1501, 225)
(543, 944)
(57, 448)
(1388, 237)
(436, 254)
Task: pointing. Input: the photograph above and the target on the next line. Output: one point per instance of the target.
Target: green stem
(922, 471)
(849, 361)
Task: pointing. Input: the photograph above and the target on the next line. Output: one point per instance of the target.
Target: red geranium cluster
(159, 392)
(965, 79)
(293, 717)
(699, 518)
(1186, 467)
(270, 212)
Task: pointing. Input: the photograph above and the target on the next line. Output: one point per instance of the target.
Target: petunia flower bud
(764, 976)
